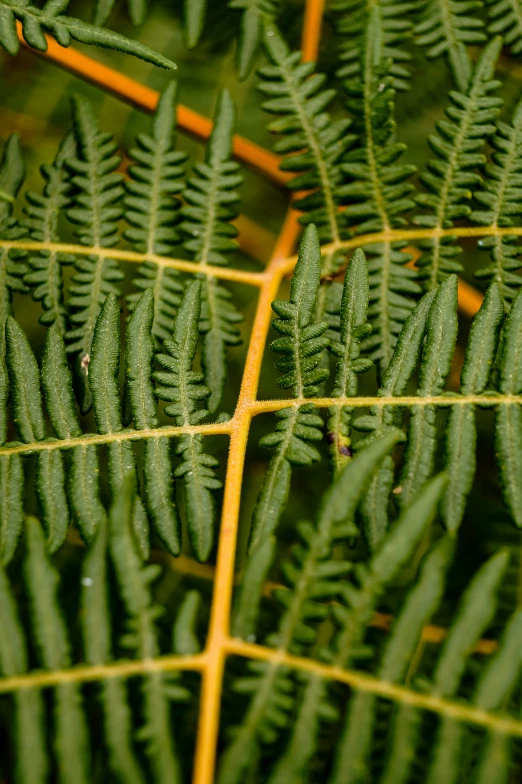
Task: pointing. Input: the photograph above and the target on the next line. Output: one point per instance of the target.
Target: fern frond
(82, 484)
(499, 205)
(495, 687)
(77, 486)
(182, 388)
(51, 638)
(135, 8)
(451, 177)
(64, 29)
(474, 616)
(374, 508)
(194, 18)
(104, 369)
(98, 650)
(30, 424)
(95, 210)
(505, 19)
(301, 346)
(353, 328)
(12, 261)
(378, 193)
(12, 173)
(354, 745)
(312, 143)
(447, 27)
(246, 605)
(351, 18)
(82, 490)
(312, 579)
(437, 353)
(394, 552)
(45, 277)
(255, 15)
(184, 637)
(159, 486)
(153, 211)
(32, 764)
(134, 580)
(53, 644)
(396, 549)
(461, 435)
(212, 202)
(508, 423)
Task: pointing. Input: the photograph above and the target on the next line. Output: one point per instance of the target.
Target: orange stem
(312, 30)
(143, 97)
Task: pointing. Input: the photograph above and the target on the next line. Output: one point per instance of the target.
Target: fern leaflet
(301, 347)
(12, 261)
(312, 578)
(499, 205)
(212, 202)
(316, 143)
(508, 425)
(395, 550)
(351, 21)
(152, 210)
(505, 19)
(451, 175)
(353, 327)
(255, 15)
(378, 194)
(95, 210)
(447, 27)
(182, 388)
(64, 29)
(136, 9)
(45, 277)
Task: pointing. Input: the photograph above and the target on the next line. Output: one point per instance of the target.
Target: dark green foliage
(437, 353)
(447, 27)
(499, 201)
(256, 14)
(352, 616)
(451, 176)
(311, 579)
(194, 20)
(313, 143)
(103, 379)
(12, 261)
(351, 20)
(54, 652)
(353, 328)
(378, 193)
(342, 656)
(508, 417)
(301, 346)
(461, 434)
(182, 388)
(136, 9)
(51, 19)
(212, 202)
(45, 277)
(374, 509)
(134, 580)
(52, 649)
(505, 19)
(152, 209)
(474, 616)
(159, 486)
(95, 211)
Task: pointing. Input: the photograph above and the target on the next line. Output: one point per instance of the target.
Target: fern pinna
(342, 603)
